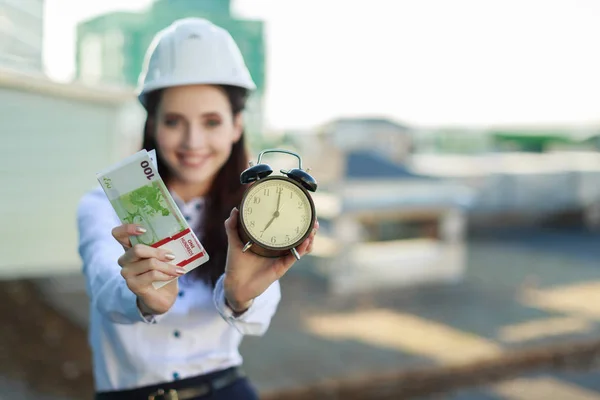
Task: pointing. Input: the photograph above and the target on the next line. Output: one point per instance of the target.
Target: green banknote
(138, 195)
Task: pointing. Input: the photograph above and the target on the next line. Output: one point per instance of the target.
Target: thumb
(231, 228)
(123, 232)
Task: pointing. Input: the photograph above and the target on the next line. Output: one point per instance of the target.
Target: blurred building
(329, 148)
(49, 161)
(21, 34)
(111, 47)
(382, 224)
(508, 138)
(387, 137)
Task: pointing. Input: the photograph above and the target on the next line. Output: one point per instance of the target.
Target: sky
(422, 62)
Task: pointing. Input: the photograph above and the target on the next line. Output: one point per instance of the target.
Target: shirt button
(199, 206)
(176, 334)
(175, 375)
(180, 294)
(188, 218)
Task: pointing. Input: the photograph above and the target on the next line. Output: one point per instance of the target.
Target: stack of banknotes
(139, 196)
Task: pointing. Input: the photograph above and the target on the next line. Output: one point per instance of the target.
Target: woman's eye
(171, 122)
(211, 123)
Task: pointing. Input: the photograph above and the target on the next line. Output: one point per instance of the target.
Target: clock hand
(275, 214)
(278, 201)
(268, 224)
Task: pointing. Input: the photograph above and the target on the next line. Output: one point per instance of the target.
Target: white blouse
(196, 336)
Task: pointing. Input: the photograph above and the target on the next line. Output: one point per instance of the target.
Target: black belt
(183, 389)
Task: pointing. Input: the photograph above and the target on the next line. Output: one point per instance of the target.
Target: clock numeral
(273, 239)
(304, 218)
(249, 210)
(256, 200)
(266, 192)
(279, 189)
(291, 194)
(287, 238)
(252, 224)
(297, 229)
(300, 204)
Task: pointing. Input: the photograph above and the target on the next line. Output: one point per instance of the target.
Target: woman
(181, 341)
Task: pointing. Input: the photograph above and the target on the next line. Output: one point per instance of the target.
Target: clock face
(276, 213)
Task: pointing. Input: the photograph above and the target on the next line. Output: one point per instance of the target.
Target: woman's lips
(192, 160)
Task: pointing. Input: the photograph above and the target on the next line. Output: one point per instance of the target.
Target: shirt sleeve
(256, 320)
(100, 252)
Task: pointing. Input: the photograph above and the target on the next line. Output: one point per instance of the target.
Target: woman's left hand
(248, 275)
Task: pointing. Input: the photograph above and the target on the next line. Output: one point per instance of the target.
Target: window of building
(91, 59)
(114, 62)
(35, 8)
(389, 230)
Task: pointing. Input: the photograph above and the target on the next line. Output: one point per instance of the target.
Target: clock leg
(295, 253)
(246, 247)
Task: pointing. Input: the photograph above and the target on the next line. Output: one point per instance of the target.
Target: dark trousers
(240, 388)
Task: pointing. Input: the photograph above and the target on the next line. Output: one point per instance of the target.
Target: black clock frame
(265, 250)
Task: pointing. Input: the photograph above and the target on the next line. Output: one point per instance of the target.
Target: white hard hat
(192, 51)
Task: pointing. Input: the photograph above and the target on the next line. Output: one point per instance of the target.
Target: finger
(310, 246)
(231, 229)
(314, 230)
(147, 278)
(142, 283)
(151, 264)
(141, 251)
(123, 232)
(310, 239)
(304, 248)
(304, 245)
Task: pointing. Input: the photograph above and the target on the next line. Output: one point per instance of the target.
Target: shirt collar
(194, 203)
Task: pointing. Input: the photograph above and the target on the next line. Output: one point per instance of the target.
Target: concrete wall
(54, 139)
(350, 264)
(521, 183)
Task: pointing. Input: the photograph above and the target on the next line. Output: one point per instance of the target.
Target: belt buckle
(160, 394)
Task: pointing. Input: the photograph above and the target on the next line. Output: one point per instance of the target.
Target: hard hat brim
(143, 93)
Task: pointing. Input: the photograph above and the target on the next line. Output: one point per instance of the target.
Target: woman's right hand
(141, 265)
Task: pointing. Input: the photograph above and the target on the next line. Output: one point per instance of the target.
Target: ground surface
(523, 288)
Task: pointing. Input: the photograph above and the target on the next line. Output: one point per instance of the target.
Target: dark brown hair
(225, 193)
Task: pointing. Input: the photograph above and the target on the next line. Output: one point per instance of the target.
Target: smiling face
(195, 130)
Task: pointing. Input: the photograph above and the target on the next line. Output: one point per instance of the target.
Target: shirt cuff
(146, 318)
(224, 310)
(118, 303)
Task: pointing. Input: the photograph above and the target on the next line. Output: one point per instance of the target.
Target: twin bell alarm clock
(277, 212)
